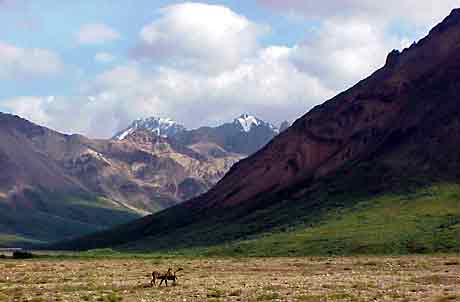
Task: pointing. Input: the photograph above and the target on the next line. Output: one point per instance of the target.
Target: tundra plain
(312, 279)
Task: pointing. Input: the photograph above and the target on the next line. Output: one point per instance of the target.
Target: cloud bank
(205, 64)
(418, 12)
(200, 36)
(27, 63)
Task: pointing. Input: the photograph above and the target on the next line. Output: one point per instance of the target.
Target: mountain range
(373, 170)
(245, 135)
(55, 186)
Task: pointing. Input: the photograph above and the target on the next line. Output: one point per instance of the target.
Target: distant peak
(247, 122)
(160, 126)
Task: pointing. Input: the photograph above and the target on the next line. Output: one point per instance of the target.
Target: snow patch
(247, 122)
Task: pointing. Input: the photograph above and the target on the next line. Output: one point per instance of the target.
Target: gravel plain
(411, 278)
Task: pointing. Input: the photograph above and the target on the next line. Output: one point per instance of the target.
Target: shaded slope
(423, 221)
(395, 131)
(50, 216)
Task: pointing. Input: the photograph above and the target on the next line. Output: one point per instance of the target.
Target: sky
(91, 67)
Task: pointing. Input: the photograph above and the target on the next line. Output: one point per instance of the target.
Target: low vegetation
(331, 221)
(312, 279)
(425, 221)
(63, 216)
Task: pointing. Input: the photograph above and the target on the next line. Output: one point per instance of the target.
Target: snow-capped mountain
(164, 127)
(247, 122)
(245, 135)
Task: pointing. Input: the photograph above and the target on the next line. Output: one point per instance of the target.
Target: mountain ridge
(167, 127)
(244, 135)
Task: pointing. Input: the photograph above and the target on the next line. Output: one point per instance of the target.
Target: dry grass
(354, 279)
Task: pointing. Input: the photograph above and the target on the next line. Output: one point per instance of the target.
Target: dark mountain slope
(396, 131)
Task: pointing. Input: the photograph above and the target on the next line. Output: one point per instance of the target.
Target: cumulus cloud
(32, 107)
(353, 37)
(208, 66)
(17, 62)
(96, 33)
(268, 85)
(340, 53)
(276, 82)
(419, 12)
(78, 114)
(200, 36)
(104, 57)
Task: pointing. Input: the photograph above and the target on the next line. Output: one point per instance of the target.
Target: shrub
(22, 255)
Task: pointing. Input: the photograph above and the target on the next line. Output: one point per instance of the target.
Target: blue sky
(71, 64)
(53, 25)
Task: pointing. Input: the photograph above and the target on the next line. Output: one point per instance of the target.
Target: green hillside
(52, 216)
(426, 221)
(340, 216)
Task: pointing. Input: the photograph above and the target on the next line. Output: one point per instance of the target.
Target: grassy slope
(15, 240)
(414, 221)
(372, 210)
(55, 217)
(422, 222)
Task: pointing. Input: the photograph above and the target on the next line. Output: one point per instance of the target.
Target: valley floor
(411, 278)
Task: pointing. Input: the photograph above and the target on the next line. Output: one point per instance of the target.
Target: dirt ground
(414, 278)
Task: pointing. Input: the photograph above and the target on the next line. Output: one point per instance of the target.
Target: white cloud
(353, 37)
(210, 67)
(419, 12)
(97, 33)
(268, 85)
(16, 62)
(200, 36)
(341, 53)
(67, 114)
(31, 107)
(104, 57)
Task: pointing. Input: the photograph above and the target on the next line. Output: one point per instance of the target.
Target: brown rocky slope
(406, 114)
